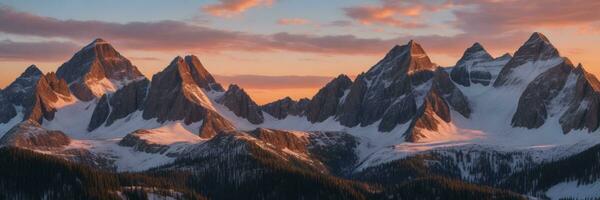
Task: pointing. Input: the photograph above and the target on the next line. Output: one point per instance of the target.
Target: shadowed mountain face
(177, 93)
(402, 70)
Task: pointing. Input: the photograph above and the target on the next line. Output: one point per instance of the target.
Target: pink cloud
(292, 21)
(378, 15)
(403, 14)
(234, 7)
(497, 17)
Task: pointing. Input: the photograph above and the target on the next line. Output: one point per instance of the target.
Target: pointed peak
(234, 87)
(477, 46)
(99, 41)
(415, 48)
(96, 42)
(474, 53)
(287, 98)
(32, 70)
(412, 43)
(505, 55)
(342, 76)
(192, 57)
(537, 37)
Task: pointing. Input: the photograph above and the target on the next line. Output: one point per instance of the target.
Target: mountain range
(510, 127)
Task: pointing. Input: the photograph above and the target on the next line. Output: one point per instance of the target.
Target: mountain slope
(97, 69)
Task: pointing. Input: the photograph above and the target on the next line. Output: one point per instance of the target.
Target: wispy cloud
(292, 21)
(395, 13)
(229, 8)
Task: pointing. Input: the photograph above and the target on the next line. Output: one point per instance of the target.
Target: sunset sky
(277, 48)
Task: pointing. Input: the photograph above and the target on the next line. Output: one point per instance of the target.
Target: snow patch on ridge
(572, 189)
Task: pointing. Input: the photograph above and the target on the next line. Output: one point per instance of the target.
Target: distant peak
(475, 52)
(96, 42)
(32, 70)
(342, 76)
(415, 48)
(191, 57)
(233, 87)
(537, 37)
(477, 46)
(99, 40)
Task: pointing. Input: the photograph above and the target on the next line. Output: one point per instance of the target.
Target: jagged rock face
(29, 134)
(123, 102)
(372, 93)
(337, 150)
(281, 108)
(440, 97)
(20, 92)
(97, 69)
(100, 113)
(326, 102)
(433, 107)
(7, 110)
(583, 107)
(175, 95)
(535, 102)
(49, 90)
(136, 141)
(485, 73)
(399, 113)
(443, 86)
(536, 49)
(281, 139)
(201, 76)
(473, 55)
(238, 101)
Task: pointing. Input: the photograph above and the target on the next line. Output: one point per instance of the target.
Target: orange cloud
(395, 13)
(233, 7)
(292, 21)
(378, 15)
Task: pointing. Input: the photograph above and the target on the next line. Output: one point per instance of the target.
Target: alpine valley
(520, 126)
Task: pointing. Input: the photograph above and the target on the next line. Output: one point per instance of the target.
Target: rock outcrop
(120, 104)
(30, 135)
(281, 108)
(326, 102)
(428, 117)
(238, 101)
(581, 97)
(21, 91)
(473, 55)
(537, 52)
(49, 91)
(97, 69)
(443, 86)
(176, 93)
(535, 102)
(136, 141)
(281, 139)
(7, 109)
